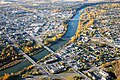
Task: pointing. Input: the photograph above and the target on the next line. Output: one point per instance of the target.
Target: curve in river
(72, 27)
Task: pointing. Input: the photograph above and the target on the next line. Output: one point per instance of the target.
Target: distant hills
(73, 0)
(44, 1)
(79, 0)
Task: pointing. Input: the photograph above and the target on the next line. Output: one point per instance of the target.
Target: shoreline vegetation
(11, 64)
(58, 36)
(53, 39)
(31, 67)
(18, 74)
(29, 47)
(15, 62)
(45, 42)
(83, 25)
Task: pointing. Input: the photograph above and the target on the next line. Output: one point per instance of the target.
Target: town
(29, 28)
(46, 21)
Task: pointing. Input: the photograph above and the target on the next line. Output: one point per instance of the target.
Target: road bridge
(39, 41)
(33, 62)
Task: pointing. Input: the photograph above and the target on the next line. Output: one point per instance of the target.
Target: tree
(6, 77)
(76, 77)
(59, 35)
(46, 42)
(26, 49)
(13, 58)
(73, 38)
(78, 33)
(54, 38)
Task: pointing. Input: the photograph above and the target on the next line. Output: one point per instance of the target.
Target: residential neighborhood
(59, 40)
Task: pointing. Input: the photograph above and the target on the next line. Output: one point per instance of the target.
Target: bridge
(28, 58)
(39, 41)
(71, 19)
(33, 62)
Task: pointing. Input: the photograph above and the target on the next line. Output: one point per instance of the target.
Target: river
(72, 27)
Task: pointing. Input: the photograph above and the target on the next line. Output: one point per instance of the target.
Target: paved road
(78, 72)
(33, 62)
(39, 41)
(110, 43)
(62, 75)
(92, 69)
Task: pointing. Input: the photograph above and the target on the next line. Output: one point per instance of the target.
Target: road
(62, 75)
(76, 71)
(39, 41)
(33, 62)
(92, 69)
(109, 43)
